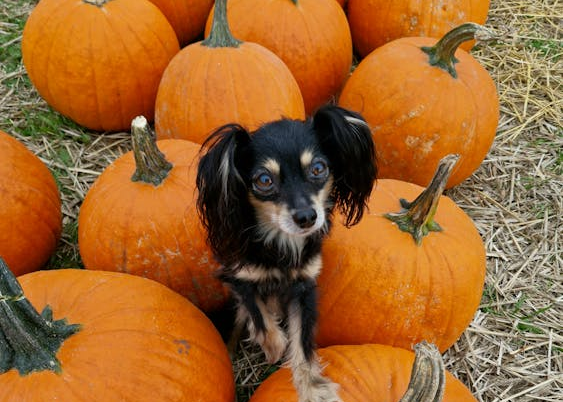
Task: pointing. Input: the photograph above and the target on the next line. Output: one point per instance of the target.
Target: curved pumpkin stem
(428, 376)
(442, 53)
(29, 341)
(152, 166)
(417, 217)
(220, 34)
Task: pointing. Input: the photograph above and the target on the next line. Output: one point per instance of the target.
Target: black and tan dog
(266, 199)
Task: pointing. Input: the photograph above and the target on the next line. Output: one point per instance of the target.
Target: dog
(267, 199)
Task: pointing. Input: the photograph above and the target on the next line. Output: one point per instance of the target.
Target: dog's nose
(305, 218)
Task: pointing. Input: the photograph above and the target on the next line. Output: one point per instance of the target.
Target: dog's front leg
(263, 325)
(306, 369)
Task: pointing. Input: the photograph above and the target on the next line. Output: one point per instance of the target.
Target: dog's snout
(305, 218)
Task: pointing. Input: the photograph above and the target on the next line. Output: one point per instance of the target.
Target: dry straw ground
(513, 350)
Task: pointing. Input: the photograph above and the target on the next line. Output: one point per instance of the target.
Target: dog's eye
(264, 182)
(318, 169)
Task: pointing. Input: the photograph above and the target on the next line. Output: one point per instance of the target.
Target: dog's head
(281, 182)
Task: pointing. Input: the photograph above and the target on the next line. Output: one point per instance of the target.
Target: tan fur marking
(253, 273)
(306, 158)
(272, 165)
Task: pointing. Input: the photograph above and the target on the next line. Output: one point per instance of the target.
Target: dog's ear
(222, 191)
(345, 138)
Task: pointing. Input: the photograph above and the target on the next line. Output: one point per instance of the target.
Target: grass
(513, 349)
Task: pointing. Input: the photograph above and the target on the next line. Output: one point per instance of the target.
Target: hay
(513, 349)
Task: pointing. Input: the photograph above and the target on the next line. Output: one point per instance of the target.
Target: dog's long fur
(266, 199)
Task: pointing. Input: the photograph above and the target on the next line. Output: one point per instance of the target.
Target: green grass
(551, 49)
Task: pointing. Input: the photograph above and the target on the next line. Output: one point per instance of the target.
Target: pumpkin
(187, 17)
(98, 62)
(30, 216)
(222, 80)
(370, 371)
(407, 272)
(312, 37)
(424, 99)
(139, 217)
(106, 336)
(374, 23)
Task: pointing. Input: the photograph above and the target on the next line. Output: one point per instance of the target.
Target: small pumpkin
(312, 37)
(30, 216)
(139, 217)
(222, 80)
(376, 22)
(423, 99)
(106, 336)
(187, 17)
(407, 272)
(98, 62)
(365, 372)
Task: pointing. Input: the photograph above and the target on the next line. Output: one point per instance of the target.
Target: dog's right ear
(222, 190)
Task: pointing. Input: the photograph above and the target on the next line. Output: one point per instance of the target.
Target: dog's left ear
(345, 138)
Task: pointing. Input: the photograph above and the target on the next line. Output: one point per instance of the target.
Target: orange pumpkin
(375, 22)
(98, 62)
(139, 217)
(424, 99)
(417, 276)
(114, 338)
(311, 36)
(221, 80)
(30, 216)
(187, 17)
(365, 373)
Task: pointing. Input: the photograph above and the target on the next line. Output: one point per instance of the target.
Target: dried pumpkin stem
(417, 217)
(151, 165)
(220, 34)
(98, 3)
(428, 376)
(442, 54)
(29, 341)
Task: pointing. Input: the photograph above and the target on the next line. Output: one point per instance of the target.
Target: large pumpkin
(98, 62)
(222, 80)
(30, 215)
(187, 17)
(139, 217)
(376, 22)
(424, 100)
(398, 279)
(371, 373)
(114, 338)
(311, 36)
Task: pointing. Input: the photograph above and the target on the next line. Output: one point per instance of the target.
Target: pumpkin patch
(131, 326)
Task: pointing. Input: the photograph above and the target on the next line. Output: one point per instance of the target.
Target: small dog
(266, 199)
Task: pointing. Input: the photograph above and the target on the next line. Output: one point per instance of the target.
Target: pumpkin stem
(152, 166)
(98, 3)
(220, 34)
(428, 376)
(29, 341)
(442, 53)
(417, 217)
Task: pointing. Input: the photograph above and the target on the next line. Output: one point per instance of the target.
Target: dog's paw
(321, 389)
(274, 345)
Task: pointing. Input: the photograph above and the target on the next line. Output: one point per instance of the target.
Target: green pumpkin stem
(442, 54)
(29, 341)
(151, 165)
(417, 217)
(428, 375)
(220, 34)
